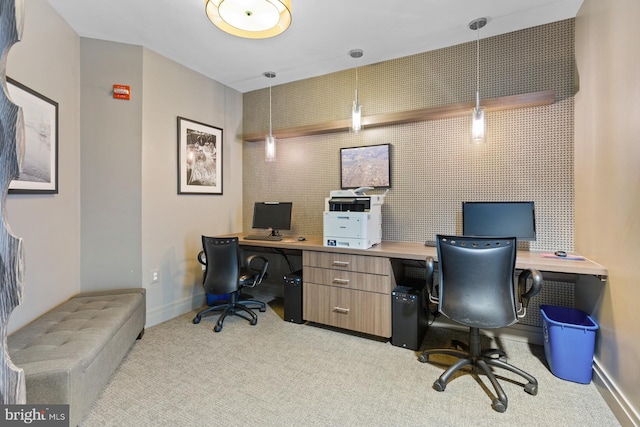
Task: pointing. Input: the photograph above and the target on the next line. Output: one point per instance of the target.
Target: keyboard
(262, 237)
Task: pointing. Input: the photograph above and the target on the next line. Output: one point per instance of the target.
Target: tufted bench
(69, 353)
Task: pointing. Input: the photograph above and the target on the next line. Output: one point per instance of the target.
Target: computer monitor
(272, 215)
(500, 219)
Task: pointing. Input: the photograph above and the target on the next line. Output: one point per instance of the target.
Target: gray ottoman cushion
(69, 353)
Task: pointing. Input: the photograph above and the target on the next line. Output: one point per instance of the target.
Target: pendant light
(251, 19)
(356, 109)
(477, 114)
(270, 141)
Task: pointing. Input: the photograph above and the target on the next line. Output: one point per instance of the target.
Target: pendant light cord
(270, 129)
(357, 102)
(270, 75)
(478, 69)
(355, 54)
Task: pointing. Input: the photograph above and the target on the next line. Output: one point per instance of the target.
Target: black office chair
(476, 288)
(225, 274)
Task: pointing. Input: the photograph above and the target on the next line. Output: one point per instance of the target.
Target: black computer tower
(409, 317)
(293, 297)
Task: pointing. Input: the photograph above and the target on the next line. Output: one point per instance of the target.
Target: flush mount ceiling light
(251, 19)
(356, 109)
(477, 114)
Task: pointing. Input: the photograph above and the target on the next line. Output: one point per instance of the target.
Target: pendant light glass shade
(356, 115)
(270, 141)
(269, 149)
(478, 127)
(356, 108)
(477, 122)
(251, 19)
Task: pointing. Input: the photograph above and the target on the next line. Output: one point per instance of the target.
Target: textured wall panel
(528, 154)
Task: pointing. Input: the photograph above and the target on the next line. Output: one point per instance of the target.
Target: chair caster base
(532, 389)
(217, 328)
(439, 385)
(263, 309)
(498, 405)
(423, 358)
(196, 320)
(253, 322)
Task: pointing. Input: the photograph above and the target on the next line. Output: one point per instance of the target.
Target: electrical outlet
(155, 276)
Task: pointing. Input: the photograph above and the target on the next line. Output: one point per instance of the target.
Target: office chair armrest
(260, 272)
(202, 259)
(429, 271)
(523, 295)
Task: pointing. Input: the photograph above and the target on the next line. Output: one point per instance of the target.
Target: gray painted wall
(48, 61)
(172, 224)
(110, 173)
(607, 180)
(118, 214)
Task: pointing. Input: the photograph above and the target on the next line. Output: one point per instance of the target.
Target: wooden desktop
(351, 288)
(418, 251)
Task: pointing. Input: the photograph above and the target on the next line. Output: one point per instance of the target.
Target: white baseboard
(176, 308)
(619, 404)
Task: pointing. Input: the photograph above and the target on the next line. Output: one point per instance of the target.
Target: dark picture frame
(365, 166)
(39, 171)
(199, 157)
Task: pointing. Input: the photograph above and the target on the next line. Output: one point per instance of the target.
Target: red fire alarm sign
(121, 92)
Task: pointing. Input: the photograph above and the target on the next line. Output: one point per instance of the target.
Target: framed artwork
(368, 166)
(39, 172)
(199, 158)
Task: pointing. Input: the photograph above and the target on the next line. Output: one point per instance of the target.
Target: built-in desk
(351, 288)
(419, 252)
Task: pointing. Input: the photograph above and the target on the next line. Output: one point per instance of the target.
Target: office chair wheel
(263, 309)
(532, 389)
(498, 405)
(254, 321)
(423, 358)
(217, 328)
(196, 320)
(439, 385)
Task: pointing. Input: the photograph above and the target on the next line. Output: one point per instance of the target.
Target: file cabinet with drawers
(348, 291)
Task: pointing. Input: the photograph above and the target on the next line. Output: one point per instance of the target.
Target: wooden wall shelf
(534, 99)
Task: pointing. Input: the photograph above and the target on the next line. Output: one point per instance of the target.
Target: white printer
(353, 219)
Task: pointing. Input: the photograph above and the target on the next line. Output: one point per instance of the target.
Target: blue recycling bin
(569, 342)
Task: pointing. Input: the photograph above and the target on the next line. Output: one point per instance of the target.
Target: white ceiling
(321, 34)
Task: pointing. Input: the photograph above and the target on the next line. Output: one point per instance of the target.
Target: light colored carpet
(284, 374)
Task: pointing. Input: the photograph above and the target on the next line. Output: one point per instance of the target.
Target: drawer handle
(340, 281)
(341, 310)
(341, 263)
